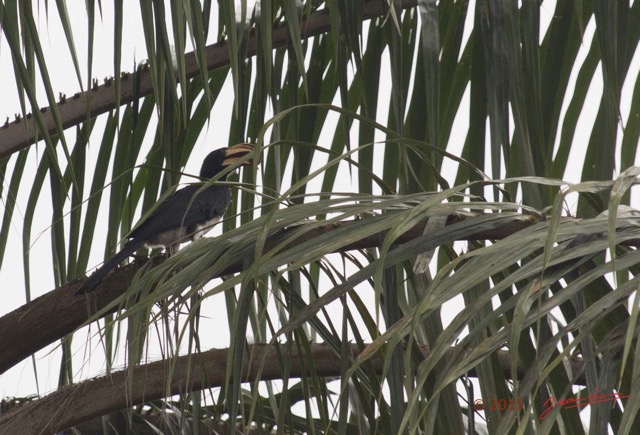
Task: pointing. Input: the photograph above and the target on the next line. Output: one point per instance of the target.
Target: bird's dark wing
(184, 213)
(175, 221)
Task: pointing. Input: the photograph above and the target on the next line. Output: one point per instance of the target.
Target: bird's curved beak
(237, 152)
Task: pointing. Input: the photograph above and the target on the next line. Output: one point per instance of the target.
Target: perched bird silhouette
(185, 215)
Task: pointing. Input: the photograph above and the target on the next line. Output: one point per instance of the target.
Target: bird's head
(219, 159)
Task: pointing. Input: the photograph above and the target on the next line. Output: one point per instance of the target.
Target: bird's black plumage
(185, 215)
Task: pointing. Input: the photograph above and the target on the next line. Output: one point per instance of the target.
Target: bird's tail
(90, 283)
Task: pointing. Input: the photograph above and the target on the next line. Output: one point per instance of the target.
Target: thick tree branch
(60, 312)
(19, 134)
(80, 402)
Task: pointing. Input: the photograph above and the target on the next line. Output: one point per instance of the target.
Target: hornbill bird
(185, 215)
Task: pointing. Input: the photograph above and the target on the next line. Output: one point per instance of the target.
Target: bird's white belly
(180, 235)
(203, 228)
(167, 238)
